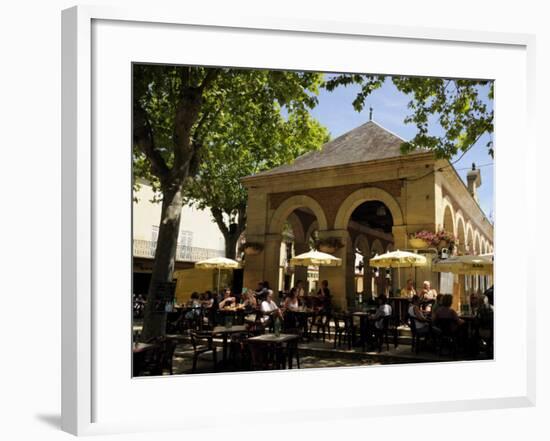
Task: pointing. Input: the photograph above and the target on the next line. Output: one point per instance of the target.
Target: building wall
(146, 215)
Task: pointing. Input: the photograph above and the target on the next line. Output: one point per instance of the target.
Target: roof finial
(473, 165)
(370, 113)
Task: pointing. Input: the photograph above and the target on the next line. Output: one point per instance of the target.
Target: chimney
(474, 181)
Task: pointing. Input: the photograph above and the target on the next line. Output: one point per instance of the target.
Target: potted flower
(252, 248)
(422, 239)
(445, 239)
(329, 244)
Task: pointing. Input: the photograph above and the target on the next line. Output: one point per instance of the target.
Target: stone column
(400, 238)
(367, 281)
(341, 278)
(271, 255)
(254, 265)
(300, 272)
(350, 275)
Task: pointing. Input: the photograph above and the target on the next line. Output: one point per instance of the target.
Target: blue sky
(336, 112)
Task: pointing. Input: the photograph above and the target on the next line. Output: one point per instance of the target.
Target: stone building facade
(360, 189)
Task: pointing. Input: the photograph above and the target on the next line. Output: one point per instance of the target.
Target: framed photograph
(255, 210)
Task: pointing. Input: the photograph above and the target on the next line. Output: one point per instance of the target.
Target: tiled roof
(368, 142)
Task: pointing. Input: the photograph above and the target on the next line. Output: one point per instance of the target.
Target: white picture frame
(86, 380)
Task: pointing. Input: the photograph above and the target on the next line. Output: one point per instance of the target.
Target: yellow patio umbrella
(316, 258)
(467, 265)
(218, 263)
(398, 259)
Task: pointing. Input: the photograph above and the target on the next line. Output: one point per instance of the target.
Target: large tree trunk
(154, 322)
(231, 239)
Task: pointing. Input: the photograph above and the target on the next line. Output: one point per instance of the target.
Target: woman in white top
(291, 302)
(415, 313)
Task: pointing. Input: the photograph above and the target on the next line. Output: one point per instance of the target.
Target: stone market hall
(362, 192)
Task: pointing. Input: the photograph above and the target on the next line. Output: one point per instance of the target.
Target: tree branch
(144, 140)
(211, 75)
(218, 217)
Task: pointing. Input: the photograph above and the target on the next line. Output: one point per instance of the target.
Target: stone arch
(297, 227)
(282, 212)
(364, 195)
(460, 231)
(483, 245)
(477, 243)
(448, 222)
(469, 238)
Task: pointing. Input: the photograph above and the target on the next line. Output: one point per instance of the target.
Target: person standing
(325, 298)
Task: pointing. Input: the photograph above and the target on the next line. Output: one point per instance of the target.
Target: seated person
(261, 292)
(208, 301)
(300, 291)
(409, 290)
(437, 304)
(416, 314)
(445, 312)
(291, 302)
(193, 301)
(248, 300)
(427, 294)
(228, 299)
(383, 310)
(195, 305)
(325, 298)
(484, 317)
(269, 308)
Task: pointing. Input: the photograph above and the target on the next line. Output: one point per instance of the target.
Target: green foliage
(260, 119)
(249, 121)
(457, 106)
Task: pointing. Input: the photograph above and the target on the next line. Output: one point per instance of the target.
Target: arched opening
(461, 235)
(300, 223)
(469, 249)
(477, 244)
(373, 221)
(362, 275)
(449, 220)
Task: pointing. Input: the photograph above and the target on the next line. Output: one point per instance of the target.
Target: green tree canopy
(256, 127)
(457, 106)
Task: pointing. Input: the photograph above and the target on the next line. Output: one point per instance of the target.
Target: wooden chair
(202, 344)
(446, 335)
(321, 321)
(381, 334)
(343, 329)
(417, 339)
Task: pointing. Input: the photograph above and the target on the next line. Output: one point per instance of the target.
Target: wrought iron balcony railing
(146, 248)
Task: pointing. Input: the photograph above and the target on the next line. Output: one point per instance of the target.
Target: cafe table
(225, 332)
(302, 314)
(363, 326)
(273, 345)
(237, 313)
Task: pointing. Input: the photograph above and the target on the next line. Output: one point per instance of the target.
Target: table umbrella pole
(398, 278)
(218, 291)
